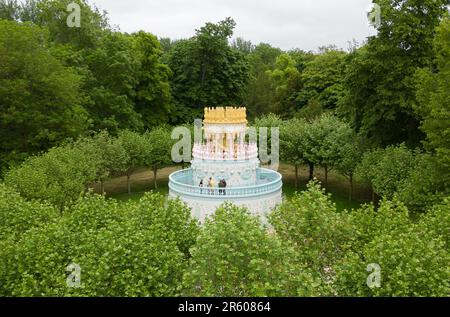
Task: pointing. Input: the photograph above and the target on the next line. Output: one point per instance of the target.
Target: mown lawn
(142, 182)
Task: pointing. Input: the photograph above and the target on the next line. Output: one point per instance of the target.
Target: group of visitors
(211, 185)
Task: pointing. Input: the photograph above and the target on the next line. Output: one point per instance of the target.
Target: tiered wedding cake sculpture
(226, 168)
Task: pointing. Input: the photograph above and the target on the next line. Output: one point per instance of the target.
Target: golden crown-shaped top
(225, 115)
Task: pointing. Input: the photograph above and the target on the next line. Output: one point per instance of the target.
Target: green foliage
(425, 185)
(379, 88)
(111, 77)
(264, 126)
(310, 221)
(53, 15)
(58, 176)
(63, 173)
(291, 141)
(268, 121)
(159, 152)
(387, 169)
(39, 96)
(437, 220)
(206, 71)
(107, 153)
(152, 93)
(325, 142)
(433, 106)
(311, 111)
(292, 135)
(286, 81)
(368, 222)
(410, 265)
(136, 148)
(351, 151)
(59, 83)
(235, 256)
(259, 96)
(433, 97)
(9, 9)
(241, 45)
(19, 215)
(412, 260)
(128, 249)
(322, 80)
(173, 215)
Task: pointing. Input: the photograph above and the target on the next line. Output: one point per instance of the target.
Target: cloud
(304, 24)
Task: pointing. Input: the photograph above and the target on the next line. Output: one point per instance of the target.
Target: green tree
(437, 220)
(243, 46)
(111, 79)
(39, 96)
(235, 256)
(387, 169)
(425, 185)
(58, 176)
(311, 111)
(159, 152)
(137, 149)
(267, 122)
(319, 233)
(291, 144)
(336, 143)
(52, 14)
(324, 143)
(287, 82)
(351, 151)
(107, 61)
(322, 80)
(152, 93)
(206, 71)
(9, 10)
(433, 105)
(433, 97)
(412, 260)
(135, 249)
(259, 96)
(107, 153)
(19, 215)
(379, 85)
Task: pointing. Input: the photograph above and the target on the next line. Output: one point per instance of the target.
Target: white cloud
(305, 24)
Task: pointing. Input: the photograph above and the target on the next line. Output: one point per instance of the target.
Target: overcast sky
(304, 24)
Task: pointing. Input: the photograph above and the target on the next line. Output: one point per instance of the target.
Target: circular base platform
(260, 198)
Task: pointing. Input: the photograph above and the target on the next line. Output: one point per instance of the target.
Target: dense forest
(82, 105)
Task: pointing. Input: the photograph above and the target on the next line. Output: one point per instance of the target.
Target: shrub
(235, 256)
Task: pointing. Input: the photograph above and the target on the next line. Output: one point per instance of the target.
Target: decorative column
(230, 145)
(216, 144)
(241, 144)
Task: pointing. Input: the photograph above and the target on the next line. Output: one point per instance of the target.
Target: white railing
(268, 181)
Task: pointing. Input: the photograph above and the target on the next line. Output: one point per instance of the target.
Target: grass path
(142, 182)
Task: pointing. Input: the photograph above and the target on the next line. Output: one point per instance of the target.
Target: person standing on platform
(224, 184)
(201, 186)
(211, 186)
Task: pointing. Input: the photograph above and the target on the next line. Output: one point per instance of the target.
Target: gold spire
(225, 115)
